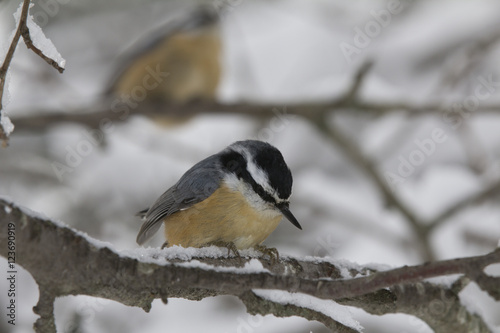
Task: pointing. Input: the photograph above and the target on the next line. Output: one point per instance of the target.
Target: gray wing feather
(197, 184)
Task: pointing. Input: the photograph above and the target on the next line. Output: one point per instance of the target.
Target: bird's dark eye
(234, 162)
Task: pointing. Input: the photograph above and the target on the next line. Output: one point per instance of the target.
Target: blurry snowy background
(279, 52)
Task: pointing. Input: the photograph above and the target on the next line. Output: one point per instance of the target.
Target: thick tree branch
(64, 262)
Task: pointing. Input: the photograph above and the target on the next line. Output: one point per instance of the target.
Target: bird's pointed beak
(288, 214)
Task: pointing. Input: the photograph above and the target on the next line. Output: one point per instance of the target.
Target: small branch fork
(87, 269)
(22, 30)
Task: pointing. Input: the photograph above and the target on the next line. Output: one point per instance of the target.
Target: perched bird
(178, 62)
(234, 198)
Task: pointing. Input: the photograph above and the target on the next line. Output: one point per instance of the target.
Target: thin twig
(352, 94)
(29, 44)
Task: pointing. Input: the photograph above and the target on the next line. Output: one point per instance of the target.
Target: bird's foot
(272, 252)
(229, 245)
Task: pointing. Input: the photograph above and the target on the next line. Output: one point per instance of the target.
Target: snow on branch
(67, 262)
(36, 41)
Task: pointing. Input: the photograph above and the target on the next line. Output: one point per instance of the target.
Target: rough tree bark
(65, 262)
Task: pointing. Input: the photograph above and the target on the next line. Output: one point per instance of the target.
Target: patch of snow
(493, 270)
(181, 253)
(252, 266)
(445, 280)
(331, 309)
(345, 266)
(477, 301)
(5, 123)
(146, 255)
(163, 256)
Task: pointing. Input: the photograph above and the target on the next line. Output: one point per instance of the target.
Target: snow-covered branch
(66, 262)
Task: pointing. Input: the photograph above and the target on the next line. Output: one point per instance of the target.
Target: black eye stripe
(261, 192)
(235, 163)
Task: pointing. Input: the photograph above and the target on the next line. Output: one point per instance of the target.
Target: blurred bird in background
(177, 63)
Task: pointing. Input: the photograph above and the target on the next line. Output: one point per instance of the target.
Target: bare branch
(118, 110)
(352, 94)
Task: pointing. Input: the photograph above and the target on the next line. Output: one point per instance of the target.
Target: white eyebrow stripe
(258, 174)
